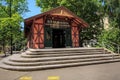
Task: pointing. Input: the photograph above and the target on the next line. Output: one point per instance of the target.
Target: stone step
(42, 67)
(65, 49)
(58, 62)
(56, 54)
(61, 52)
(18, 58)
(37, 59)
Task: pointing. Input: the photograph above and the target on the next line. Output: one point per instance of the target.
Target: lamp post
(10, 15)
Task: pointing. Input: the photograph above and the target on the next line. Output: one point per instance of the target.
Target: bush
(110, 38)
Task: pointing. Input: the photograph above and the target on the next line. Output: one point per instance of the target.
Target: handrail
(103, 45)
(106, 45)
(114, 43)
(118, 46)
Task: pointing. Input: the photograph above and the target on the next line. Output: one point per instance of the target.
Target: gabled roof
(62, 11)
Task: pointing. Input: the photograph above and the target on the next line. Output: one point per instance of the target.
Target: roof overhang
(59, 11)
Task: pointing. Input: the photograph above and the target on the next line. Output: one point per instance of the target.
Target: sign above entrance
(57, 24)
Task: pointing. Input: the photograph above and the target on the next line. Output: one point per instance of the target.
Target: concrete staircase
(39, 59)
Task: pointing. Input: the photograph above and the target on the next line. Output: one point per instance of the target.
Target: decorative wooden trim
(75, 36)
(38, 33)
(52, 11)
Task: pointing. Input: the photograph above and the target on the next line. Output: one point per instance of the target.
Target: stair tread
(61, 61)
(62, 49)
(44, 53)
(63, 54)
(19, 58)
(34, 59)
(22, 68)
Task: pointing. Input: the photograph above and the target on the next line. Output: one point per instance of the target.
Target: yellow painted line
(26, 78)
(53, 78)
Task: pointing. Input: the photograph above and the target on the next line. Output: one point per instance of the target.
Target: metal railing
(118, 47)
(108, 45)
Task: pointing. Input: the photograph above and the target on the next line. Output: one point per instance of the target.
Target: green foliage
(10, 21)
(14, 21)
(110, 38)
(19, 42)
(19, 6)
(47, 4)
(112, 10)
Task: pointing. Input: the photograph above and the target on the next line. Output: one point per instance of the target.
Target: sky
(34, 10)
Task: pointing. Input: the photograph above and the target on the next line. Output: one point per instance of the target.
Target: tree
(110, 39)
(10, 19)
(112, 10)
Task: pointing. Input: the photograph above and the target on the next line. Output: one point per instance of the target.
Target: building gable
(61, 12)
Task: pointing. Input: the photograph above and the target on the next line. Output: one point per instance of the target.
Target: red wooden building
(56, 28)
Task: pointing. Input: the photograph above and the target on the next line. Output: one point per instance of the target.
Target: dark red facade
(57, 21)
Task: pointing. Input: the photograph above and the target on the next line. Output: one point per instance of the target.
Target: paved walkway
(109, 71)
